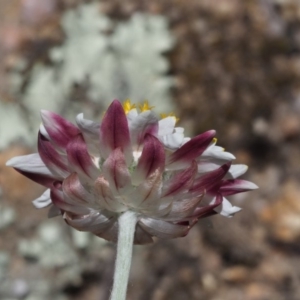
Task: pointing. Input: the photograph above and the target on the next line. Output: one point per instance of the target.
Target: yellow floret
(163, 116)
(128, 106)
(145, 106)
(215, 142)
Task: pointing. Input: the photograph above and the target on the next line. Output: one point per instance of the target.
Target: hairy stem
(127, 222)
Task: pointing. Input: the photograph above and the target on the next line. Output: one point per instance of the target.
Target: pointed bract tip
(212, 132)
(46, 115)
(44, 112)
(252, 186)
(116, 102)
(79, 116)
(17, 161)
(115, 105)
(10, 162)
(79, 119)
(231, 156)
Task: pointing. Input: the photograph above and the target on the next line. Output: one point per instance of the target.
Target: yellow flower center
(145, 106)
(163, 116)
(128, 106)
(215, 142)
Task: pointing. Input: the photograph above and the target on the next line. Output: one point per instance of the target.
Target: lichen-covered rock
(98, 60)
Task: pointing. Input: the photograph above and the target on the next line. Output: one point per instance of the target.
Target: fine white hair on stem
(127, 222)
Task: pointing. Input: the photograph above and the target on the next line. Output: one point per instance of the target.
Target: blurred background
(228, 65)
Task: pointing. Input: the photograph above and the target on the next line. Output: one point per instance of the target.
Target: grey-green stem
(127, 223)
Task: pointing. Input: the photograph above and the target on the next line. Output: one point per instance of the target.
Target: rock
(237, 274)
(283, 215)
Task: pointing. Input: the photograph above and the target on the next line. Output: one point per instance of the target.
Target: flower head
(134, 161)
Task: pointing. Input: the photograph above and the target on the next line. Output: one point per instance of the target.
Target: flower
(131, 161)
